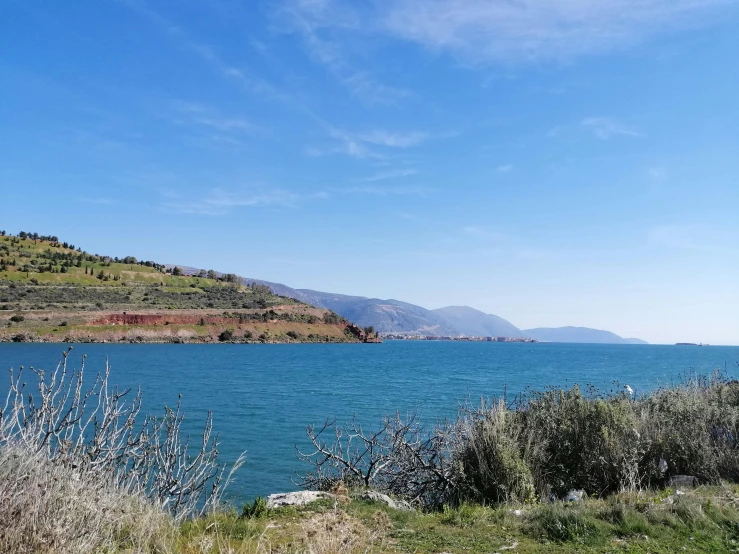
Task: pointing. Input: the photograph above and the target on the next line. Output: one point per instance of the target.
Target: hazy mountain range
(394, 316)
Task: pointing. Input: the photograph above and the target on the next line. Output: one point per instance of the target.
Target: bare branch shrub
(97, 431)
(400, 458)
(50, 507)
(545, 443)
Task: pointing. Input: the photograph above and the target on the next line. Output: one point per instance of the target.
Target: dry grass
(336, 532)
(53, 508)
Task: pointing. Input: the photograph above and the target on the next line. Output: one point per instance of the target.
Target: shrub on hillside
(489, 460)
(546, 443)
(99, 431)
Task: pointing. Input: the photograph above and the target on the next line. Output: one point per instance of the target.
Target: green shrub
(17, 318)
(255, 510)
(582, 443)
(490, 465)
(226, 336)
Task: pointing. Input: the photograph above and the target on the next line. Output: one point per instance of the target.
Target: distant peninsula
(53, 291)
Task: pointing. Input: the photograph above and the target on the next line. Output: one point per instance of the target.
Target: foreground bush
(56, 507)
(95, 430)
(546, 443)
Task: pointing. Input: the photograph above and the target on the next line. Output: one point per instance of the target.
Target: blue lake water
(263, 396)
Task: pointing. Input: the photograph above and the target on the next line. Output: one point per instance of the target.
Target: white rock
(300, 498)
(375, 496)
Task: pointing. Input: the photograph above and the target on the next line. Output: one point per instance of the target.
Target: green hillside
(53, 290)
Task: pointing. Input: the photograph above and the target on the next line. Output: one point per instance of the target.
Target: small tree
(176, 271)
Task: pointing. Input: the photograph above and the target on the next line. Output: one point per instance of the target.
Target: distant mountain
(394, 316)
(474, 323)
(578, 334)
(386, 316)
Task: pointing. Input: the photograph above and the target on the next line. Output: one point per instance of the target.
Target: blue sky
(554, 162)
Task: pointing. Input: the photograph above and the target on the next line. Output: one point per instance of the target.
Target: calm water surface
(263, 396)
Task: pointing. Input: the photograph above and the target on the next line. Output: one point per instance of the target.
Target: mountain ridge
(581, 335)
(396, 316)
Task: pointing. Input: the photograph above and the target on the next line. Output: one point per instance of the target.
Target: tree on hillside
(212, 274)
(176, 271)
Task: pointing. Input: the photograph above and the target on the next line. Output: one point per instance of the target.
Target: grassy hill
(54, 291)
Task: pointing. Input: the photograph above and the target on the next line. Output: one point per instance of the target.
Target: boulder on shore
(689, 481)
(575, 496)
(299, 498)
(375, 496)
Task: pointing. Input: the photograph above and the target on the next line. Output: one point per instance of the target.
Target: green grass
(705, 520)
(29, 285)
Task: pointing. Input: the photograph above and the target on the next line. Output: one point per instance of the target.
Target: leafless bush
(50, 507)
(400, 458)
(97, 432)
(546, 442)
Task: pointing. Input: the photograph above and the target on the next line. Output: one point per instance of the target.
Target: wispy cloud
(386, 191)
(366, 144)
(500, 30)
(507, 168)
(658, 174)
(207, 53)
(220, 202)
(393, 139)
(606, 127)
(482, 31)
(99, 201)
(387, 175)
(310, 18)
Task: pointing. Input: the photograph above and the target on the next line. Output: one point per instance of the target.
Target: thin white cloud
(226, 124)
(658, 174)
(393, 139)
(386, 191)
(221, 202)
(208, 54)
(396, 174)
(507, 168)
(99, 201)
(309, 18)
(510, 31)
(507, 31)
(364, 87)
(366, 145)
(606, 127)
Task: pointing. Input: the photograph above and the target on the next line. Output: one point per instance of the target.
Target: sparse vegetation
(46, 282)
(476, 479)
(540, 446)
